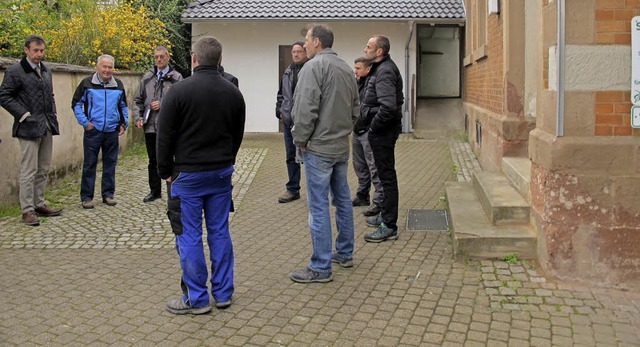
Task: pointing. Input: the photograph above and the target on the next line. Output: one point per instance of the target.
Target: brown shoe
(288, 196)
(44, 211)
(110, 201)
(30, 218)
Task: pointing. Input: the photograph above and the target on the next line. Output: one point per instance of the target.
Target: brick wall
(613, 114)
(483, 84)
(613, 27)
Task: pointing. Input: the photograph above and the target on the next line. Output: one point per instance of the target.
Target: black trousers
(154, 179)
(383, 146)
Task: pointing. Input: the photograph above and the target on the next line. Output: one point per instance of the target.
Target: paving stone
(102, 277)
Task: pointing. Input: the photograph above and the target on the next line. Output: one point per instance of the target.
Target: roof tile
(324, 9)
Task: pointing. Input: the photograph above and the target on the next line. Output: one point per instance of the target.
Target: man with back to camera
(363, 162)
(326, 105)
(199, 134)
(284, 104)
(27, 94)
(100, 106)
(154, 84)
(381, 105)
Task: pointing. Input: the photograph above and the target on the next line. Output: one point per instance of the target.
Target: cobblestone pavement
(102, 276)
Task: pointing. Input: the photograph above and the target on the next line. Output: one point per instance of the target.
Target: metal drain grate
(427, 220)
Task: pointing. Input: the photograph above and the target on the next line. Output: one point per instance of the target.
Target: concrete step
(474, 237)
(502, 204)
(518, 172)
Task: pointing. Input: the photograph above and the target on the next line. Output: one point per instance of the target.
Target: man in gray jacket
(27, 94)
(326, 105)
(153, 86)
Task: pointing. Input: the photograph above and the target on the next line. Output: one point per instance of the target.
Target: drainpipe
(561, 69)
(406, 125)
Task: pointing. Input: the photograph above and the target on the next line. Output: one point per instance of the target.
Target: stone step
(474, 237)
(518, 172)
(501, 202)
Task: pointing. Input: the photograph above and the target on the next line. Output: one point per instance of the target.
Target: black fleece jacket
(201, 124)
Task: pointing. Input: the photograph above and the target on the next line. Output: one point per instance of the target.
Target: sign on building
(635, 60)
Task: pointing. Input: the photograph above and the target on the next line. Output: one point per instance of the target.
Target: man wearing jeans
(382, 105)
(200, 130)
(325, 107)
(100, 106)
(284, 103)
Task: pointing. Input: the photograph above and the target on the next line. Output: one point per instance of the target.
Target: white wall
(250, 52)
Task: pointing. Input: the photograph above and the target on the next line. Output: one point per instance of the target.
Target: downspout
(561, 69)
(406, 125)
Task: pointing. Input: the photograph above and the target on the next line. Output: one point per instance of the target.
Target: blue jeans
(94, 141)
(324, 175)
(293, 168)
(209, 191)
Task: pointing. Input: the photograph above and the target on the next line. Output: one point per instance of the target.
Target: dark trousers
(383, 147)
(155, 185)
(95, 141)
(293, 168)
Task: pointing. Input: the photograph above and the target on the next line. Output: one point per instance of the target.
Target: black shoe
(288, 196)
(151, 197)
(372, 211)
(359, 202)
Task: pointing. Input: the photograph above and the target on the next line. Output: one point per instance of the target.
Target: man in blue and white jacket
(100, 106)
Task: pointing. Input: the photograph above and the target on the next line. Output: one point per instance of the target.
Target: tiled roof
(324, 9)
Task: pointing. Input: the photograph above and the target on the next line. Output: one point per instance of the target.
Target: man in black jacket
(362, 156)
(200, 130)
(382, 104)
(284, 104)
(27, 94)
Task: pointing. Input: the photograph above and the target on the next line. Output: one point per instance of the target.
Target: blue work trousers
(208, 191)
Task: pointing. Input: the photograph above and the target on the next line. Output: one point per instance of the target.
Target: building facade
(561, 98)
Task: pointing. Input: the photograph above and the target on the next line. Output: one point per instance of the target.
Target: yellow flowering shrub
(78, 31)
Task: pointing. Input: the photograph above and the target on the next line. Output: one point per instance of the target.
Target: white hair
(106, 56)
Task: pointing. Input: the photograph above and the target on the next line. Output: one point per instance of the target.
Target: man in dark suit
(27, 94)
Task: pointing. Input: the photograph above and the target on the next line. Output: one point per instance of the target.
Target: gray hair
(106, 56)
(208, 50)
(162, 48)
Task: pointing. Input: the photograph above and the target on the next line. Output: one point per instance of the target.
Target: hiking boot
(357, 201)
(44, 211)
(374, 221)
(288, 196)
(372, 211)
(30, 218)
(382, 233)
(87, 204)
(151, 197)
(110, 201)
(223, 304)
(345, 263)
(178, 306)
(307, 275)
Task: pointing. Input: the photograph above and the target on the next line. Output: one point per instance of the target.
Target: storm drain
(424, 220)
